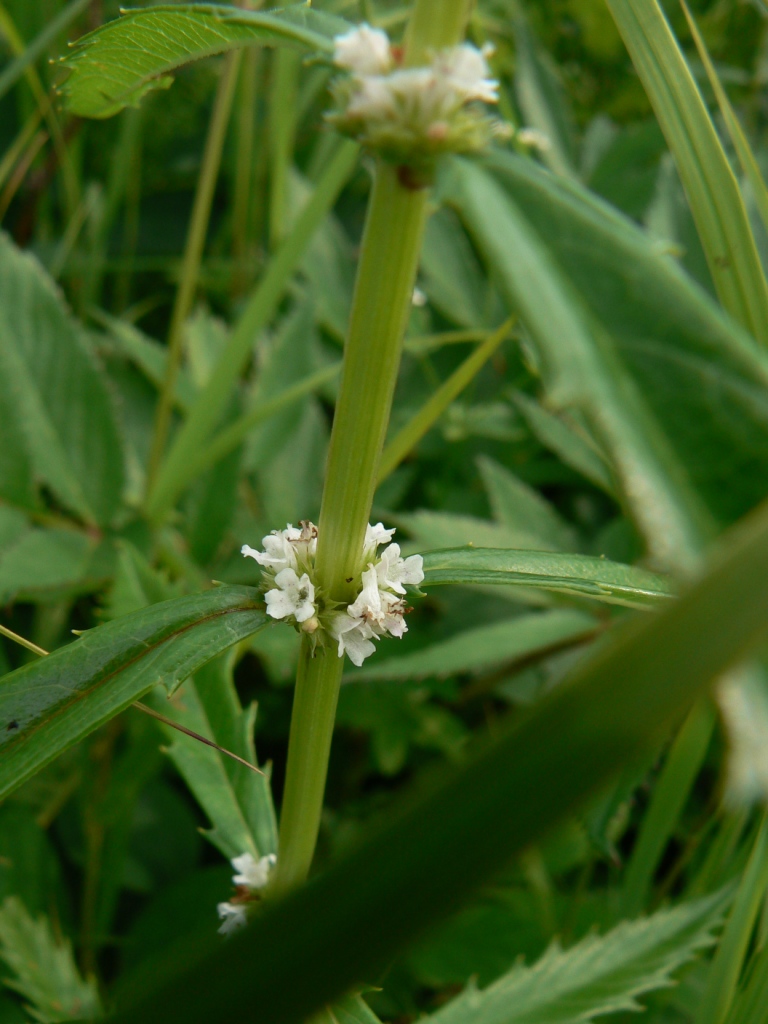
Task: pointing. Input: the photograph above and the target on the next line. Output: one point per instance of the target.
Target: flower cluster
(252, 875)
(288, 561)
(412, 114)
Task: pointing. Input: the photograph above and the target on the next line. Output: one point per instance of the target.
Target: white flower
(466, 70)
(354, 637)
(392, 571)
(382, 611)
(233, 916)
(364, 50)
(377, 535)
(251, 872)
(283, 549)
(294, 595)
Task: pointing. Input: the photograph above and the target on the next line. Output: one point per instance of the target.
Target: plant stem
(193, 254)
(309, 747)
(386, 273)
(383, 291)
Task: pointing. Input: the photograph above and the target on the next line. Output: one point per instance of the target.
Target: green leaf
(600, 975)
(485, 646)
(582, 369)
(54, 392)
(118, 64)
(49, 705)
(572, 447)
(543, 101)
(580, 575)
(667, 385)
(43, 563)
(713, 192)
(237, 800)
(522, 509)
(44, 970)
(202, 768)
(435, 530)
(425, 858)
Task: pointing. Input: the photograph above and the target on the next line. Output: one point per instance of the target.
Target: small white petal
(367, 605)
(377, 534)
(294, 595)
(251, 872)
(234, 917)
(364, 50)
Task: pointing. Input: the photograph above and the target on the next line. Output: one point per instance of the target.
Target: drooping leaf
(44, 969)
(118, 64)
(601, 975)
(581, 575)
(55, 392)
(425, 859)
(50, 704)
(485, 646)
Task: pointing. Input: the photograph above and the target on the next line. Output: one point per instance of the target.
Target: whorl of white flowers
(252, 875)
(288, 564)
(412, 114)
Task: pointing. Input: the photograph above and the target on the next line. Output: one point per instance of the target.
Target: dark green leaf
(49, 705)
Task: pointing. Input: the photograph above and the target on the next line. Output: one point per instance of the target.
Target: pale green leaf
(47, 706)
(601, 975)
(485, 646)
(521, 508)
(44, 969)
(54, 392)
(434, 530)
(116, 65)
(580, 575)
(702, 379)
(577, 451)
(43, 563)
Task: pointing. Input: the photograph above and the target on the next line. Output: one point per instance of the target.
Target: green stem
(382, 302)
(309, 747)
(193, 254)
(386, 273)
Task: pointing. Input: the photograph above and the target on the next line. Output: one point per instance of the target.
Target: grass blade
(713, 192)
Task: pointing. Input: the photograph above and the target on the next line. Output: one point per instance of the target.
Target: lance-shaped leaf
(118, 64)
(426, 858)
(581, 575)
(49, 705)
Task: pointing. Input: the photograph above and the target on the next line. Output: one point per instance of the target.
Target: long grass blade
(713, 192)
